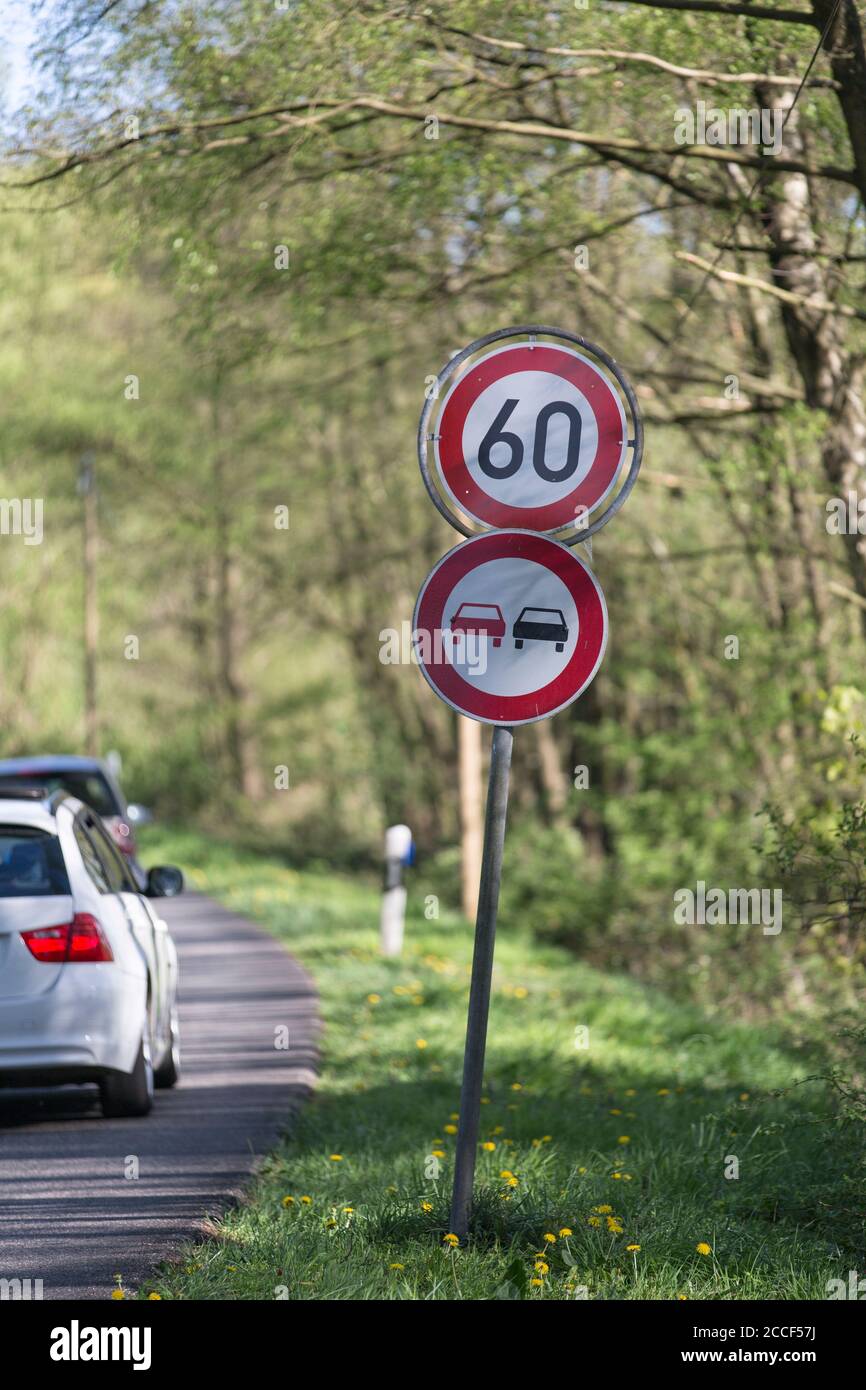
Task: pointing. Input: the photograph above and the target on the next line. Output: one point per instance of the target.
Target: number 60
(497, 435)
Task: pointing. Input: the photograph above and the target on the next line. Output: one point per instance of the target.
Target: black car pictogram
(540, 625)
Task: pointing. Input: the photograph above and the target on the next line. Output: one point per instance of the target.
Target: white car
(88, 970)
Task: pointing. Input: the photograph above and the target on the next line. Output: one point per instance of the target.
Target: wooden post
(471, 820)
(87, 489)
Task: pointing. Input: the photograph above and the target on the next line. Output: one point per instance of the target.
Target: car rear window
(89, 787)
(31, 864)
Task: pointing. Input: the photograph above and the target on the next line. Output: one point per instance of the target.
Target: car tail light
(79, 940)
(123, 837)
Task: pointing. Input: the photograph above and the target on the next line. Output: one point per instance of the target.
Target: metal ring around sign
(532, 331)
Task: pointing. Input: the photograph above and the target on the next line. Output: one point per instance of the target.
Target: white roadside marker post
(398, 853)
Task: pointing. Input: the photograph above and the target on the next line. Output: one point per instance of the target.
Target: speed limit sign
(531, 434)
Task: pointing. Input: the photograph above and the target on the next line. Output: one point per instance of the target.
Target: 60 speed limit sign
(532, 434)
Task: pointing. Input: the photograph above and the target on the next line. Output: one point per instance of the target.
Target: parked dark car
(91, 781)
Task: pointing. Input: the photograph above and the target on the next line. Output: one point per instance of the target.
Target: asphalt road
(68, 1214)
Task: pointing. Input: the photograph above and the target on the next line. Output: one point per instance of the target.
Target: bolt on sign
(529, 444)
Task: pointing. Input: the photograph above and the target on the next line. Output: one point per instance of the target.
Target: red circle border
(581, 666)
(609, 457)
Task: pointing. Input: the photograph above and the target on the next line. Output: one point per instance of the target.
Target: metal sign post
(482, 973)
(531, 437)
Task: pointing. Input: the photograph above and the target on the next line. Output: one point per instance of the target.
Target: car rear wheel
(129, 1094)
(168, 1072)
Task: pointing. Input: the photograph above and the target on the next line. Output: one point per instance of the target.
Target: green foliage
(685, 1086)
(550, 884)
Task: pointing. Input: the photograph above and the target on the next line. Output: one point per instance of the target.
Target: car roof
(62, 762)
(39, 812)
(33, 813)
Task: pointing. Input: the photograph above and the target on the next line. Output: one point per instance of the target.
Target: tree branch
(307, 115)
(753, 282)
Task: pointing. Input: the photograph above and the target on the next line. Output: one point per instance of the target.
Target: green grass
(688, 1090)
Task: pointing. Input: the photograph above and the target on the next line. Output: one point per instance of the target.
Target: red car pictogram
(480, 617)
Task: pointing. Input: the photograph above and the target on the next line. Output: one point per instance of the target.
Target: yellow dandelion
(520, 992)
(348, 1209)
(488, 1146)
(537, 1283)
(117, 1293)
(450, 1129)
(593, 1220)
(511, 1182)
(516, 1086)
(550, 1237)
(306, 1201)
(336, 1158)
(438, 1153)
(632, 1247)
(152, 1297)
(374, 998)
(565, 1231)
(288, 1201)
(624, 1139)
(506, 1173)
(451, 1239)
(426, 1206)
(396, 1266)
(614, 1112)
(603, 1210)
(703, 1249)
(663, 1091)
(541, 1267)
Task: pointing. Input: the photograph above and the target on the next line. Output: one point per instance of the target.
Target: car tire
(128, 1094)
(518, 642)
(168, 1072)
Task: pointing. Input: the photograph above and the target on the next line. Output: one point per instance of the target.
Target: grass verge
(614, 1123)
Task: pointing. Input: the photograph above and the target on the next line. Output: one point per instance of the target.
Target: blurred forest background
(280, 219)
